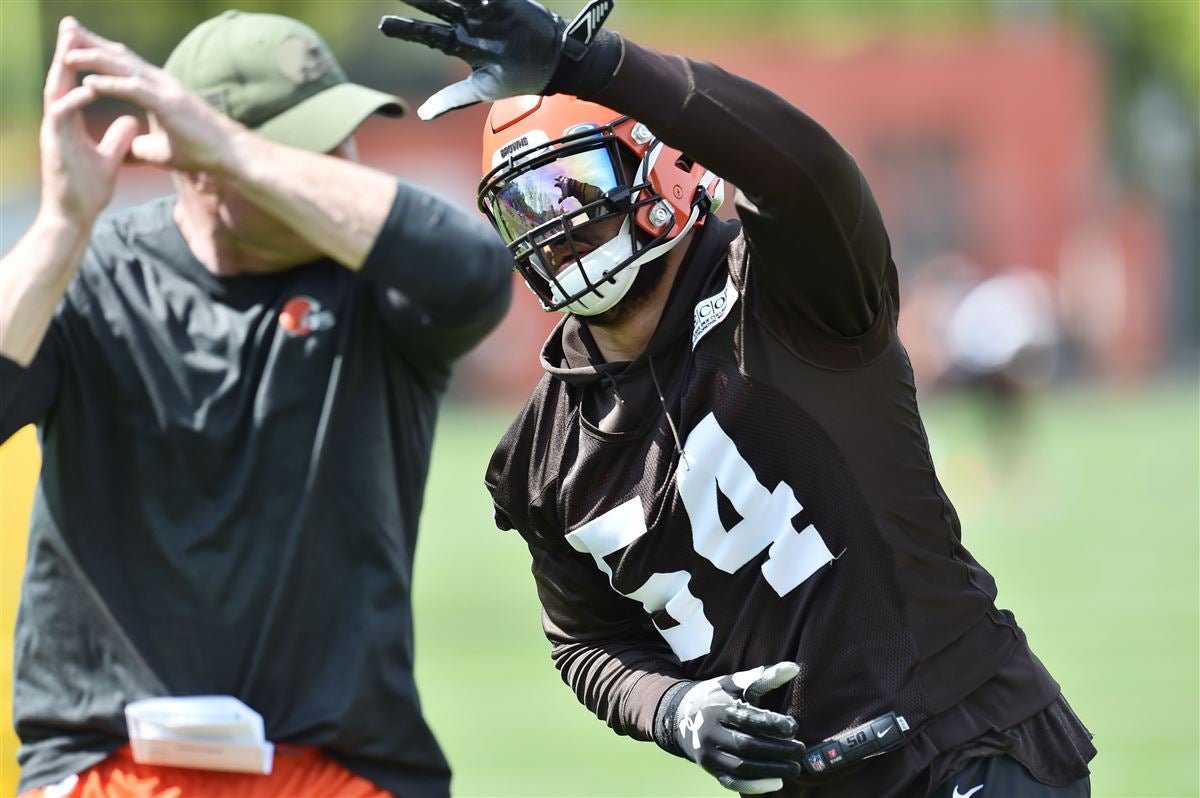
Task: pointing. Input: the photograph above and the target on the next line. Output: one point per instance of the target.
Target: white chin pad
(595, 266)
(599, 262)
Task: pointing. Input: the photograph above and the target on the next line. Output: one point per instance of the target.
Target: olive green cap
(277, 77)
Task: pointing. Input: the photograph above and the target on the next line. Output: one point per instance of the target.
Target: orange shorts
(297, 773)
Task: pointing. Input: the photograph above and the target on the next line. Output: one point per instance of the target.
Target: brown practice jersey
(757, 486)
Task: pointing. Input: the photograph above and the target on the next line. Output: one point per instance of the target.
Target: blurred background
(1038, 167)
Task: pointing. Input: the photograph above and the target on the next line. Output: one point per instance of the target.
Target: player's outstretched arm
(78, 176)
(820, 242)
(621, 668)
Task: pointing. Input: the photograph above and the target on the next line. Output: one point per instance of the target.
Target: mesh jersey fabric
(901, 618)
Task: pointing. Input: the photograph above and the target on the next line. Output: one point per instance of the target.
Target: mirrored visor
(529, 199)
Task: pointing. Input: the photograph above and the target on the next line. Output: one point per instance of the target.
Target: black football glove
(514, 47)
(749, 749)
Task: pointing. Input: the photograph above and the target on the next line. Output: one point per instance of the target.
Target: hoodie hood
(570, 353)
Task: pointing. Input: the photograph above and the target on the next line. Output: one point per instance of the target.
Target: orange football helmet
(585, 196)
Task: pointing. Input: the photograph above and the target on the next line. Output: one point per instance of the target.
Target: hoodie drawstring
(612, 382)
(670, 421)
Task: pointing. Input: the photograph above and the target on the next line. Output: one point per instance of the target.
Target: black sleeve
(814, 228)
(27, 393)
(604, 646)
(443, 275)
(585, 193)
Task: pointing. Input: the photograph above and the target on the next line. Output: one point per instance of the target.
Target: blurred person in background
(235, 389)
(1002, 342)
(993, 337)
(723, 478)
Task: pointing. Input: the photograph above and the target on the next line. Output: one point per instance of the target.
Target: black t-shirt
(232, 476)
(757, 486)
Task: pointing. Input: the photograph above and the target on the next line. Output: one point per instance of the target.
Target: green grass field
(1092, 533)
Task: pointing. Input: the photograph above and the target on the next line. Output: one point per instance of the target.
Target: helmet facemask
(567, 210)
(582, 213)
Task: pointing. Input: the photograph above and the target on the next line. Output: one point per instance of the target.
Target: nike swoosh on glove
(514, 47)
(718, 726)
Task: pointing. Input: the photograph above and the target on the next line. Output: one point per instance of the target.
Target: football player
(739, 541)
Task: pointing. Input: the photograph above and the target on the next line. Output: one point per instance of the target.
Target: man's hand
(186, 133)
(749, 749)
(78, 179)
(514, 47)
(562, 183)
(78, 175)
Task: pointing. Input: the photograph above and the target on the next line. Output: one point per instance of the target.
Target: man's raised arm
(78, 176)
(338, 206)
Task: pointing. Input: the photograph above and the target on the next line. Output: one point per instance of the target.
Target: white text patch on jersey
(712, 311)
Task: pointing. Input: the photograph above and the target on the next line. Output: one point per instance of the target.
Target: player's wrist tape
(664, 717)
(873, 737)
(592, 72)
(876, 736)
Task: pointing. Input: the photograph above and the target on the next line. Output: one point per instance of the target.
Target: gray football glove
(749, 749)
(514, 47)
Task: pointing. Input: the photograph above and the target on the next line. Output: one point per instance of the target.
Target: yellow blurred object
(20, 461)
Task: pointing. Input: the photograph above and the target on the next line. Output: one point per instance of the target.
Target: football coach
(235, 389)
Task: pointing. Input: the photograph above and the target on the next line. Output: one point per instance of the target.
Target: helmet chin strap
(667, 246)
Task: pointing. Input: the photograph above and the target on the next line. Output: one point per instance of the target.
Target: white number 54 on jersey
(711, 463)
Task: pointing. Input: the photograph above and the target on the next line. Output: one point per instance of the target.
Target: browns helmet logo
(302, 315)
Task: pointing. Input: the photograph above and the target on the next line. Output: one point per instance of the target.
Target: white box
(206, 732)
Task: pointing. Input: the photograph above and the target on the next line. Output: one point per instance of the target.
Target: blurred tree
(154, 27)
(1160, 35)
(1140, 38)
(1152, 54)
(1159, 38)
(822, 21)
(20, 90)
